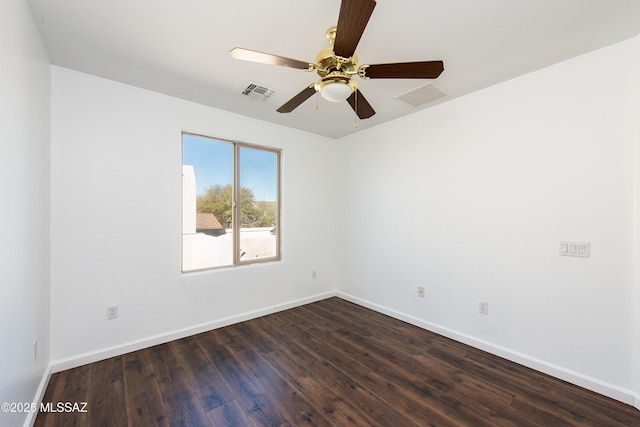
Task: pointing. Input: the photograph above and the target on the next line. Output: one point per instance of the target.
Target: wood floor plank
(278, 382)
(282, 382)
(144, 399)
(71, 386)
(329, 363)
(177, 386)
(318, 370)
(210, 385)
(377, 378)
(445, 352)
(229, 414)
(106, 396)
(322, 382)
(254, 400)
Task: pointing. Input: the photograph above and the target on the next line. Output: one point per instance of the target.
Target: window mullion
(235, 218)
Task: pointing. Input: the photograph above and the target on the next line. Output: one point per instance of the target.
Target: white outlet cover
(484, 307)
(112, 312)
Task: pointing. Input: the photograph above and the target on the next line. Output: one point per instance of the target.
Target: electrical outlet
(314, 274)
(35, 349)
(420, 291)
(483, 307)
(112, 312)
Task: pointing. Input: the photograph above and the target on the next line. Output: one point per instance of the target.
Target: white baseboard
(94, 356)
(42, 388)
(593, 384)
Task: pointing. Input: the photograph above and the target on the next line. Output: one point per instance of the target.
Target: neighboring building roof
(207, 221)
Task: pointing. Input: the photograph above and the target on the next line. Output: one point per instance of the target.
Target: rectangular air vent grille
(423, 95)
(258, 91)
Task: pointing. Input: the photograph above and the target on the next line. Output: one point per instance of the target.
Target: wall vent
(258, 91)
(423, 95)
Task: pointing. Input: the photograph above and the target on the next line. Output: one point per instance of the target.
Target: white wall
(24, 210)
(116, 220)
(470, 200)
(634, 101)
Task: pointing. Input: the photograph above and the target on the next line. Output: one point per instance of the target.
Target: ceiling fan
(337, 65)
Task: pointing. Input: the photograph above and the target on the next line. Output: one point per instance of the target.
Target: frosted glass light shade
(336, 91)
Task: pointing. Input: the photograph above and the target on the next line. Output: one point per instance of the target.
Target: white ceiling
(181, 47)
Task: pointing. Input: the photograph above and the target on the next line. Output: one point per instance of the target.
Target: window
(230, 203)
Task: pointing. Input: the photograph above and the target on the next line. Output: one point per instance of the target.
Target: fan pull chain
(317, 100)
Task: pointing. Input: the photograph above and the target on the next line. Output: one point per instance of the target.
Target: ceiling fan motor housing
(327, 62)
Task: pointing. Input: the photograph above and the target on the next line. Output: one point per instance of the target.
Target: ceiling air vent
(258, 91)
(423, 95)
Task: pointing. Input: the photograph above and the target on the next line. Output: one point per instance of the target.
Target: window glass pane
(258, 173)
(207, 188)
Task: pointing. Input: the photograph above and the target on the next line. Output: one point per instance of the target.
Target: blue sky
(212, 162)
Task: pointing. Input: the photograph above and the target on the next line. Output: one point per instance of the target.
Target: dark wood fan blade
(360, 105)
(267, 58)
(353, 18)
(294, 102)
(405, 70)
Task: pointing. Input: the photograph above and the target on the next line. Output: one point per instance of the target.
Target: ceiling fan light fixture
(336, 89)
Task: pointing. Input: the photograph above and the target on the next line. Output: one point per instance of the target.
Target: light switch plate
(575, 249)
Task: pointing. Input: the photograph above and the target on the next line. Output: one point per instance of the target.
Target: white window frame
(236, 230)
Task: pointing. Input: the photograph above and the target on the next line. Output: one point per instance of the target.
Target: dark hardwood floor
(330, 363)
